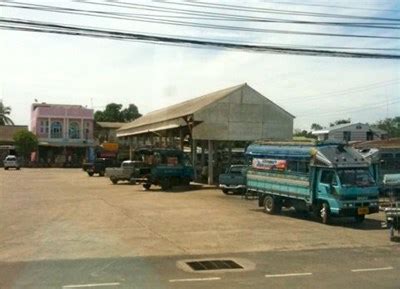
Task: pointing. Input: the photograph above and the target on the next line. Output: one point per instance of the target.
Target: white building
(351, 132)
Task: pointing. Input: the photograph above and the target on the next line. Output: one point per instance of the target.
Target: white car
(11, 162)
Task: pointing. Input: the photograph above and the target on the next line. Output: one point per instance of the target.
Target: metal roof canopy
(234, 113)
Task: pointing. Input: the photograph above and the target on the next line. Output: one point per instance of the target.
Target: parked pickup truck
(330, 179)
(233, 180)
(163, 167)
(99, 166)
(124, 173)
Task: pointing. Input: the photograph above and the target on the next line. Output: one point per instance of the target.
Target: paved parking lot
(49, 214)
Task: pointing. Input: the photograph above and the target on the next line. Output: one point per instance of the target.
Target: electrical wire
(273, 11)
(45, 27)
(246, 29)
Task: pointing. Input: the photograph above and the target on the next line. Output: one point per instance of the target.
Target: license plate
(362, 211)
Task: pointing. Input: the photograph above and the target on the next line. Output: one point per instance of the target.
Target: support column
(210, 162)
(229, 153)
(181, 136)
(203, 154)
(194, 157)
(130, 148)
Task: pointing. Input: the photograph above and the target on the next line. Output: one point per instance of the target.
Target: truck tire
(359, 218)
(146, 186)
(325, 213)
(227, 192)
(114, 181)
(90, 174)
(272, 205)
(165, 184)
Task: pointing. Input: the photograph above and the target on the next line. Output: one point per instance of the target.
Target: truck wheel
(90, 174)
(114, 181)
(325, 213)
(271, 205)
(227, 192)
(6, 168)
(359, 218)
(146, 186)
(165, 185)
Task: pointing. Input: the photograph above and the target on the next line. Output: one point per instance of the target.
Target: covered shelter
(234, 114)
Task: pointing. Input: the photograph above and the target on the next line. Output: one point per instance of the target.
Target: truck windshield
(356, 177)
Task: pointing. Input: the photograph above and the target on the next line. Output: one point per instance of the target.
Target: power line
(258, 30)
(45, 27)
(274, 11)
(204, 15)
(329, 6)
(346, 111)
(342, 92)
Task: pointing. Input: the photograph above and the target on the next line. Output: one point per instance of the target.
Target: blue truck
(329, 179)
(164, 167)
(233, 181)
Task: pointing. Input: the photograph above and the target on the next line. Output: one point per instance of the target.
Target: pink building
(65, 132)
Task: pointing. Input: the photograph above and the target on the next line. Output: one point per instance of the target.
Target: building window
(44, 127)
(74, 131)
(56, 129)
(347, 135)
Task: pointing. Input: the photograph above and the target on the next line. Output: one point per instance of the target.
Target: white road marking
(372, 269)
(288, 275)
(195, 279)
(92, 285)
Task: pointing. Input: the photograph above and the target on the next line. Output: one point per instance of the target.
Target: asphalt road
(365, 268)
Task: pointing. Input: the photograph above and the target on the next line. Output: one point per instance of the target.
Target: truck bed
(283, 183)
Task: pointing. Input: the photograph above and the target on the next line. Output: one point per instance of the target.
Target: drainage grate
(213, 265)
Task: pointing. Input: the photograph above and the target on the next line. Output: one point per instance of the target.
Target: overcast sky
(93, 72)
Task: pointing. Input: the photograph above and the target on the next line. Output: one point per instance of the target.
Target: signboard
(110, 146)
(269, 164)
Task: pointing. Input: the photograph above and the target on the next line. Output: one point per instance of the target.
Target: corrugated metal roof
(7, 132)
(108, 124)
(181, 109)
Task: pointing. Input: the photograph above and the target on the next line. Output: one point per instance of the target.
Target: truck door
(328, 183)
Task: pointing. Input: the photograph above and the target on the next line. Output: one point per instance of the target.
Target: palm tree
(4, 112)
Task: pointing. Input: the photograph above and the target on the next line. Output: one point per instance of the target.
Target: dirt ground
(64, 214)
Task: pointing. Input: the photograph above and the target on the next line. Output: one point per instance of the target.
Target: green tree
(131, 113)
(4, 115)
(340, 121)
(303, 133)
(25, 142)
(114, 113)
(390, 125)
(316, 126)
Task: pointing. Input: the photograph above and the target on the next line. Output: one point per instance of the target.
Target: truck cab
(233, 180)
